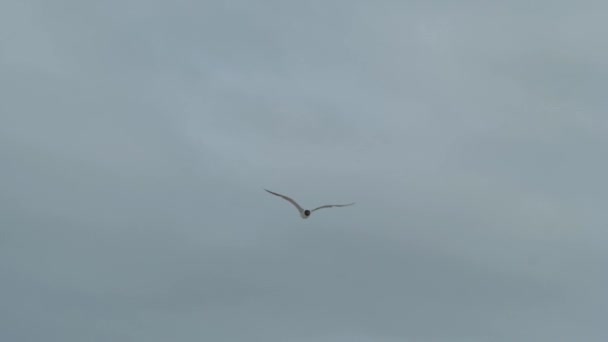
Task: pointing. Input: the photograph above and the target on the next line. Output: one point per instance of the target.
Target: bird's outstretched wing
(333, 205)
(288, 199)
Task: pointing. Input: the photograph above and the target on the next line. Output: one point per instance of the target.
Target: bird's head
(307, 212)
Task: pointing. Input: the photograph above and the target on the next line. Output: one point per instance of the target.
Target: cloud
(137, 139)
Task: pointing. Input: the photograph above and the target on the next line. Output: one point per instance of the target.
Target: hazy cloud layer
(136, 138)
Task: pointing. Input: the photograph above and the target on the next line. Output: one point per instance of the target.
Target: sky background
(136, 138)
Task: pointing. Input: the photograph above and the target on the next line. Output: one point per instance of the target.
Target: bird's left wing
(333, 205)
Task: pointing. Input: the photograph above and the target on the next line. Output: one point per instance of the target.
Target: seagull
(305, 213)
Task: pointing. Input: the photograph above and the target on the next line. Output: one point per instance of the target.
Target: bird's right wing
(287, 199)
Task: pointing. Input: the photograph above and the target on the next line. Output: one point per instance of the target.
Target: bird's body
(305, 213)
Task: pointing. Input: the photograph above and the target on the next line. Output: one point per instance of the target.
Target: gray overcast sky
(136, 138)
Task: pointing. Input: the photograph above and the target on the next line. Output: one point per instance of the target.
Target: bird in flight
(305, 213)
